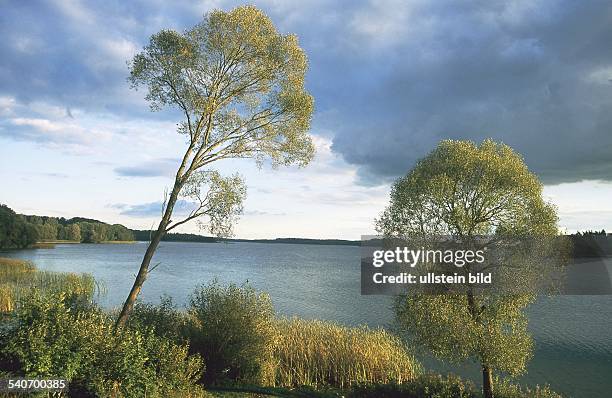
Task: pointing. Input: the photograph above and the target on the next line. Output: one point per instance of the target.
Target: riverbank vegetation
(19, 278)
(228, 342)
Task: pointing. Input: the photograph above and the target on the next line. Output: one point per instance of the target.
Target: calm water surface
(573, 334)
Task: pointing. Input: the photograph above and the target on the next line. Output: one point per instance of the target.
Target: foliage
(78, 229)
(239, 83)
(240, 87)
(450, 386)
(218, 197)
(444, 324)
(465, 191)
(505, 389)
(319, 354)
(164, 319)
(461, 188)
(54, 336)
(423, 386)
(15, 232)
(65, 335)
(144, 235)
(100, 232)
(232, 327)
(18, 278)
(591, 244)
(18, 231)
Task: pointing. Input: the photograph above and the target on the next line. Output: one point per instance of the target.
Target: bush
(54, 336)
(316, 353)
(423, 386)
(505, 389)
(164, 319)
(232, 327)
(437, 386)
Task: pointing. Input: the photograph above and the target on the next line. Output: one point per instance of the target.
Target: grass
(319, 354)
(19, 277)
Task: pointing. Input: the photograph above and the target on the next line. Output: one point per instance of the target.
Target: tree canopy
(19, 230)
(15, 231)
(465, 192)
(239, 85)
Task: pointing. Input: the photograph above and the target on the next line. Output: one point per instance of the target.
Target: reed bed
(318, 354)
(18, 278)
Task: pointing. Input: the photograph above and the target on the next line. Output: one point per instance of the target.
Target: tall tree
(240, 87)
(481, 194)
(15, 231)
(73, 232)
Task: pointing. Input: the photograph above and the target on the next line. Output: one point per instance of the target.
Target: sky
(390, 79)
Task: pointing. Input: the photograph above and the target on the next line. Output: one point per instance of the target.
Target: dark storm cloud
(390, 79)
(74, 54)
(535, 77)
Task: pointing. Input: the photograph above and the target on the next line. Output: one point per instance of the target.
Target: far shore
(45, 243)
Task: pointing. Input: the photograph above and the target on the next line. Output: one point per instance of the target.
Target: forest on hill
(19, 230)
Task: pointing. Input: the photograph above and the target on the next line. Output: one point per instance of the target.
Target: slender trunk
(487, 382)
(487, 372)
(140, 279)
(146, 260)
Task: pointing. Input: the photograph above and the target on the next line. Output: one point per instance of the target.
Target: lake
(573, 334)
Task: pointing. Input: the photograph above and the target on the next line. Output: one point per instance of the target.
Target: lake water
(573, 334)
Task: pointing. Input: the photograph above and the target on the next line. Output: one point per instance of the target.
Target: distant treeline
(591, 244)
(145, 235)
(18, 230)
(302, 241)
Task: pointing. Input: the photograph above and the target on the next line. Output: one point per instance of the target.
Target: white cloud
(600, 76)
(113, 54)
(382, 23)
(7, 104)
(76, 11)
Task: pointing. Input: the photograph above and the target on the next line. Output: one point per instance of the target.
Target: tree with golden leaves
(239, 85)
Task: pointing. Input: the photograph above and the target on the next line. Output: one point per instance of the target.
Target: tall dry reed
(19, 277)
(317, 353)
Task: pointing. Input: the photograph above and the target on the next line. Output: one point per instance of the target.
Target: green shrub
(423, 386)
(164, 319)
(232, 327)
(317, 353)
(437, 386)
(505, 389)
(54, 336)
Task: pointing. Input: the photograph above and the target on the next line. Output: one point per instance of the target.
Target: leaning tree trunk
(487, 382)
(146, 260)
